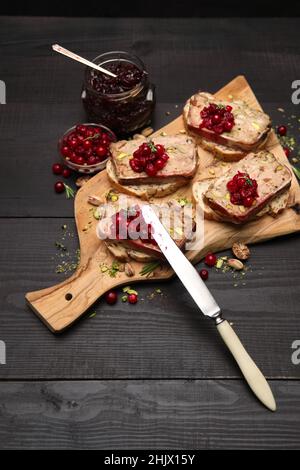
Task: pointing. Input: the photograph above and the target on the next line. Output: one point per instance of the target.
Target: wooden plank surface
(202, 414)
(162, 337)
(159, 338)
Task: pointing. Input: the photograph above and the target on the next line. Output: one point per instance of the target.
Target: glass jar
(122, 109)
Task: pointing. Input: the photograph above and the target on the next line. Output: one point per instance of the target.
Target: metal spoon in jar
(76, 57)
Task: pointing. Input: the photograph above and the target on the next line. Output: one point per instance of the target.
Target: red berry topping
(242, 189)
(204, 274)
(66, 173)
(210, 259)
(57, 168)
(59, 187)
(217, 118)
(111, 297)
(132, 298)
(281, 130)
(149, 158)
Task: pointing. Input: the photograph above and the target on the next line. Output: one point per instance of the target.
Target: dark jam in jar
(123, 103)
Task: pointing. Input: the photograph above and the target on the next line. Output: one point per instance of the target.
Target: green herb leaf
(152, 146)
(296, 171)
(70, 193)
(149, 268)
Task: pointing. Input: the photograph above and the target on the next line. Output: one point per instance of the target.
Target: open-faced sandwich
(152, 168)
(126, 234)
(257, 185)
(228, 129)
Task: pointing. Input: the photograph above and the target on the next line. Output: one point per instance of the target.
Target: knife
(199, 292)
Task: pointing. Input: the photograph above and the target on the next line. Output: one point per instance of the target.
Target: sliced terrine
(271, 179)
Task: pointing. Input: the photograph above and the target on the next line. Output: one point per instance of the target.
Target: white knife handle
(251, 372)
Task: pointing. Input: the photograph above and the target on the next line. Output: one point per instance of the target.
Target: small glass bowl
(85, 168)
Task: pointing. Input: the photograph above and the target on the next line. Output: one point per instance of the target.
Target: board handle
(59, 306)
(251, 372)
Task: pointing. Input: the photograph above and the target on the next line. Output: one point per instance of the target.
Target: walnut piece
(240, 250)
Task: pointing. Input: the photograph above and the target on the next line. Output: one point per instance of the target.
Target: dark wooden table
(154, 375)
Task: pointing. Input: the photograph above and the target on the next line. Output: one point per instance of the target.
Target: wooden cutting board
(61, 305)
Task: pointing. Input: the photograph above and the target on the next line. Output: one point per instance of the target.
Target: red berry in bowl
(92, 160)
(281, 130)
(89, 132)
(57, 168)
(73, 142)
(81, 129)
(66, 173)
(132, 298)
(111, 297)
(59, 187)
(65, 151)
(79, 160)
(203, 274)
(101, 151)
(80, 150)
(87, 144)
(210, 259)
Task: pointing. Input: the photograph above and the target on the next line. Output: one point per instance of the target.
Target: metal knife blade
(184, 269)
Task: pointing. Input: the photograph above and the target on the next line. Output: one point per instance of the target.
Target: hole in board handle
(68, 296)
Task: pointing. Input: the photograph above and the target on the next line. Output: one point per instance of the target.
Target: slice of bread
(143, 191)
(222, 150)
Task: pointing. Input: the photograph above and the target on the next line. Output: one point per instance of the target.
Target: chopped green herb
(124, 298)
(93, 314)
(149, 268)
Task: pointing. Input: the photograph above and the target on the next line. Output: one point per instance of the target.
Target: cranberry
(248, 201)
(150, 169)
(80, 150)
(59, 187)
(65, 151)
(101, 151)
(79, 160)
(73, 142)
(57, 168)
(66, 173)
(92, 160)
(89, 132)
(80, 138)
(204, 274)
(287, 151)
(105, 140)
(228, 125)
(81, 129)
(281, 130)
(228, 108)
(111, 297)
(87, 144)
(164, 157)
(231, 186)
(132, 298)
(160, 150)
(216, 118)
(159, 164)
(210, 259)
